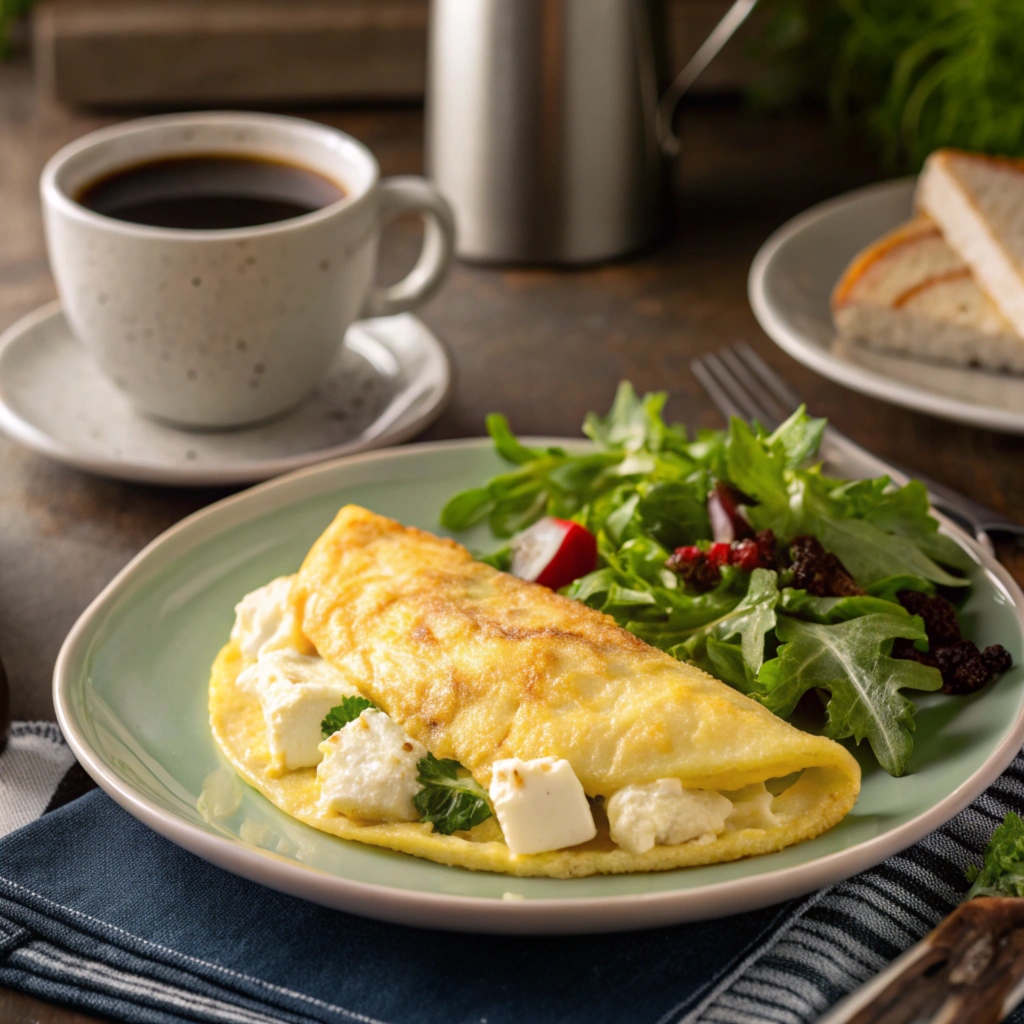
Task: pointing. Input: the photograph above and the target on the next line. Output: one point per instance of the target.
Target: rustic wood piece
(541, 345)
(968, 966)
(208, 52)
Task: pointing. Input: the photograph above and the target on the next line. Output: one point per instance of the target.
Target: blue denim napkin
(99, 913)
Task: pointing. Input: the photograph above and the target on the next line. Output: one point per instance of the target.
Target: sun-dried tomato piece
(693, 568)
(939, 616)
(818, 571)
(997, 658)
(767, 547)
(963, 668)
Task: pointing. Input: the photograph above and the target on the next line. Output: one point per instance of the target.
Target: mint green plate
(130, 691)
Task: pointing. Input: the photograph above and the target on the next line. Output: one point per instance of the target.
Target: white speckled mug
(219, 328)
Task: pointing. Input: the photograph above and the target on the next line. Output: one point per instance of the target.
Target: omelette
(580, 749)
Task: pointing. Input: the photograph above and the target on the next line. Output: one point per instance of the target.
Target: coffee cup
(224, 326)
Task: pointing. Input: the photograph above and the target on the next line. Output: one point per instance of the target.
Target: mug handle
(408, 194)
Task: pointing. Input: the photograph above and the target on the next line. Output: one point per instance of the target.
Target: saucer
(388, 381)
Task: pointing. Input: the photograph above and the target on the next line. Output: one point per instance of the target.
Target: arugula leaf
(888, 588)
(507, 444)
(903, 511)
(799, 436)
(347, 711)
(752, 619)
(827, 610)
(674, 514)
(726, 663)
(851, 661)
(870, 554)
(634, 424)
(449, 801)
(754, 468)
(1002, 873)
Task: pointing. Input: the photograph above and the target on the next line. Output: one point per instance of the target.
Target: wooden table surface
(542, 345)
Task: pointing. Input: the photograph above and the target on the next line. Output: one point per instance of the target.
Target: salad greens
(347, 711)
(1002, 873)
(643, 489)
(449, 801)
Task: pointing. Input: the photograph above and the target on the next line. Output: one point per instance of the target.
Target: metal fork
(741, 383)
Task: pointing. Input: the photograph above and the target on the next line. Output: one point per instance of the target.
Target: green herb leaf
(827, 610)
(634, 424)
(1002, 873)
(450, 801)
(851, 661)
(752, 619)
(674, 514)
(347, 711)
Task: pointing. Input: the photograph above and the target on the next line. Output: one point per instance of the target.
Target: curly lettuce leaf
(1002, 872)
(851, 660)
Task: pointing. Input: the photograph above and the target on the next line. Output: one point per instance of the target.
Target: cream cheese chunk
(540, 805)
(369, 770)
(665, 814)
(263, 619)
(295, 692)
(751, 808)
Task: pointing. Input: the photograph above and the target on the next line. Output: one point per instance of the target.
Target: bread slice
(909, 293)
(978, 202)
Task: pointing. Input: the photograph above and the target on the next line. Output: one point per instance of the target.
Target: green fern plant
(10, 11)
(912, 74)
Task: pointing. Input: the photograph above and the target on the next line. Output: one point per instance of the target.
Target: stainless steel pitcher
(545, 129)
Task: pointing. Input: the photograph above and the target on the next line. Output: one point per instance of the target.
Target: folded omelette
(477, 666)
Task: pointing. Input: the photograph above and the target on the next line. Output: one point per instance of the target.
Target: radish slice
(554, 552)
(727, 522)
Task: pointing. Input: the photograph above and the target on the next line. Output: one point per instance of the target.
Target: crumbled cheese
(263, 619)
(369, 770)
(751, 808)
(295, 692)
(540, 805)
(663, 812)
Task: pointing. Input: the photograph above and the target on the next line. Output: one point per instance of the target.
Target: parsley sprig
(449, 801)
(347, 711)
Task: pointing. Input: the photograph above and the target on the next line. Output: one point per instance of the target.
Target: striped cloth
(84, 926)
(834, 941)
(38, 772)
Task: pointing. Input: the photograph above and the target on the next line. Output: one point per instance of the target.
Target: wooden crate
(152, 53)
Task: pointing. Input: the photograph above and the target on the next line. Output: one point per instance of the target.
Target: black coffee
(210, 192)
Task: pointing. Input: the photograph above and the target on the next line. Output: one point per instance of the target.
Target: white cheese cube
(752, 808)
(263, 619)
(369, 770)
(295, 692)
(540, 805)
(663, 812)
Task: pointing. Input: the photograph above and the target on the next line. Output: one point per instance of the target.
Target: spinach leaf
(450, 800)
(851, 660)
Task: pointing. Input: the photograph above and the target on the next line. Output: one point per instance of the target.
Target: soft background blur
(907, 75)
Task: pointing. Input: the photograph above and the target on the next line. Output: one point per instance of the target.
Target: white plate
(791, 280)
(388, 381)
(130, 691)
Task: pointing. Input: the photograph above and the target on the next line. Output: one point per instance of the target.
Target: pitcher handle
(665, 117)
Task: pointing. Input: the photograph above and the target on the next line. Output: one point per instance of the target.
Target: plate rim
(858, 378)
(557, 915)
(25, 432)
